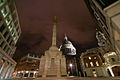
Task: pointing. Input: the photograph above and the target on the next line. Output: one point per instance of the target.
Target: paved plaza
(68, 78)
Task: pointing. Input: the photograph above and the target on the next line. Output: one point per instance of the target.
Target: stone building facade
(107, 15)
(93, 63)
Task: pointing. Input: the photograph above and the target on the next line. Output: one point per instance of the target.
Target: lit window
(1, 2)
(18, 71)
(26, 71)
(89, 57)
(8, 20)
(97, 64)
(91, 63)
(94, 57)
(4, 11)
(11, 26)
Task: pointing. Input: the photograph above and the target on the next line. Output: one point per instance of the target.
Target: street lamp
(71, 65)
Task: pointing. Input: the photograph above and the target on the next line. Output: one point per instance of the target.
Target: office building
(9, 34)
(27, 66)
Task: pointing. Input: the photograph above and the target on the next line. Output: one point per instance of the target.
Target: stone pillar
(111, 71)
(45, 68)
(58, 64)
(23, 74)
(63, 66)
(33, 75)
(29, 74)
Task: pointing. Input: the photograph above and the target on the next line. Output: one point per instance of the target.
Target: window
(1, 40)
(16, 23)
(1, 45)
(113, 59)
(17, 29)
(94, 57)
(1, 2)
(8, 1)
(26, 75)
(8, 39)
(7, 20)
(7, 50)
(106, 31)
(12, 8)
(94, 73)
(13, 32)
(97, 64)
(105, 3)
(31, 74)
(89, 57)
(93, 70)
(14, 17)
(6, 33)
(5, 47)
(91, 63)
(10, 42)
(2, 28)
(4, 11)
(10, 27)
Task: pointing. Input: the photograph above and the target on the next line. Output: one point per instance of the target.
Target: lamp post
(71, 65)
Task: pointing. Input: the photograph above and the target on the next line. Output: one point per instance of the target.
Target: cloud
(36, 19)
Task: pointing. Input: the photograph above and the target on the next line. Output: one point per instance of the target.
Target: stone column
(29, 74)
(45, 68)
(33, 75)
(58, 64)
(111, 71)
(23, 74)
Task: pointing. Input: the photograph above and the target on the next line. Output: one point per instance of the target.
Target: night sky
(36, 18)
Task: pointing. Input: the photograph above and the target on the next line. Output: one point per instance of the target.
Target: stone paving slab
(67, 78)
(77, 78)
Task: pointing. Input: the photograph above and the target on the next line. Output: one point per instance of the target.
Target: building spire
(54, 31)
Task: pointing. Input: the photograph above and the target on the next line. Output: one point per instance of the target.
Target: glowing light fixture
(71, 65)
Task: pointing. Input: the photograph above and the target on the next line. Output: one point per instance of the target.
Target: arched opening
(116, 70)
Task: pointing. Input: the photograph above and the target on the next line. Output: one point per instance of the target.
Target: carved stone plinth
(53, 64)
